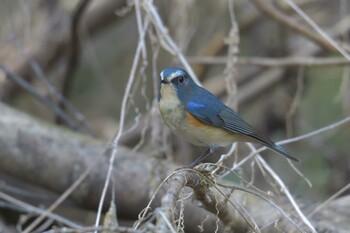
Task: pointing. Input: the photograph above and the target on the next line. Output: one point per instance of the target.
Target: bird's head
(178, 80)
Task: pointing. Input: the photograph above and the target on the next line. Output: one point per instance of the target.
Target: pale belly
(207, 135)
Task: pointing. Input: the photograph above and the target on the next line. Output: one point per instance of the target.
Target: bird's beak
(163, 81)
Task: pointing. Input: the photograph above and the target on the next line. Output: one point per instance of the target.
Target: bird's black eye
(181, 79)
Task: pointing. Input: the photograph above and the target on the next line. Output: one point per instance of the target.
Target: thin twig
(295, 102)
(158, 23)
(273, 62)
(289, 117)
(63, 196)
(65, 104)
(166, 221)
(33, 209)
(219, 207)
(74, 49)
(257, 192)
(74, 52)
(295, 139)
(270, 10)
(284, 189)
(313, 133)
(49, 52)
(329, 200)
(144, 212)
(25, 85)
(115, 141)
(119, 229)
(169, 200)
(140, 26)
(232, 41)
(318, 29)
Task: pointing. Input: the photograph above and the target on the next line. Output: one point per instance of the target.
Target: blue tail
(282, 151)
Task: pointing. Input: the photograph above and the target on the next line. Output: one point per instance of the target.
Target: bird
(201, 118)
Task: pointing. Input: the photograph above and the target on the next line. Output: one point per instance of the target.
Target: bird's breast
(170, 107)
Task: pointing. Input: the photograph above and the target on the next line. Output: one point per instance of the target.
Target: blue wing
(214, 112)
(210, 110)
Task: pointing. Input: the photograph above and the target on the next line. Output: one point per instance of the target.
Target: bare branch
(232, 41)
(318, 29)
(273, 62)
(271, 11)
(40, 97)
(32, 209)
(47, 53)
(285, 191)
(164, 36)
(74, 48)
(115, 141)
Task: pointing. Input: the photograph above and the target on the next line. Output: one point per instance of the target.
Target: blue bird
(201, 118)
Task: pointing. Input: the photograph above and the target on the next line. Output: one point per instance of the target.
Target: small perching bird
(201, 118)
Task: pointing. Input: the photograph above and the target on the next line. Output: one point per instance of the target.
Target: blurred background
(258, 56)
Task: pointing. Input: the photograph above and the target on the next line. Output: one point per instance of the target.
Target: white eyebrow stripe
(174, 75)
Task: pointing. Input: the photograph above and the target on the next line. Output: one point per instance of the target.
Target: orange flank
(192, 120)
